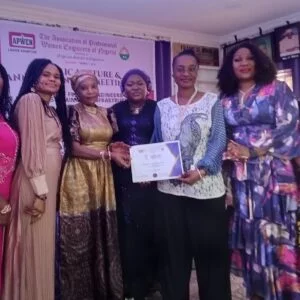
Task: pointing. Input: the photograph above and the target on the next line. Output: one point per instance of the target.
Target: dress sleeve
(74, 124)
(111, 115)
(282, 140)
(30, 119)
(212, 160)
(157, 134)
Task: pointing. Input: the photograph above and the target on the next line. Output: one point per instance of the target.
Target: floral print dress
(263, 235)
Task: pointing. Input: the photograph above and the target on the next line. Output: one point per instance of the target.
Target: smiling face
(135, 88)
(243, 64)
(49, 82)
(185, 71)
(88, 91)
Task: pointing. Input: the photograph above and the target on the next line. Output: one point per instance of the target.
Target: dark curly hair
(265, 70)
(188, 52)
(5, 99)
(138, 72)
(31, 77)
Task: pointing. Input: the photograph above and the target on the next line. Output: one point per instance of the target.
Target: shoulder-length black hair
(5, 99)
(31, 77)
(265, 71)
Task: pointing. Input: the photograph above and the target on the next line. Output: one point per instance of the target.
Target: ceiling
(216, 17)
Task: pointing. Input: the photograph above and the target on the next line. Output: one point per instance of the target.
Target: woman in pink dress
(8, 154)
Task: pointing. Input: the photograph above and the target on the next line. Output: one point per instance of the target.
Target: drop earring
(53, 98)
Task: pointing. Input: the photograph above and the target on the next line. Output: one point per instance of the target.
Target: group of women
(110, 238)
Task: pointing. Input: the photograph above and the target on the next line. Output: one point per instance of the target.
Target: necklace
(243, 95)
(183, 108)
(90, 109)
(136, 110)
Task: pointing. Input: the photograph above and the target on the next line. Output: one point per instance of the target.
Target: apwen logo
(22, 40)
(124, 53)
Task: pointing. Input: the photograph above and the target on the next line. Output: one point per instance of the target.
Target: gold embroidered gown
(88, 251)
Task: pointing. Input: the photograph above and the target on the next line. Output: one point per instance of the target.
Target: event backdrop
(107, 55)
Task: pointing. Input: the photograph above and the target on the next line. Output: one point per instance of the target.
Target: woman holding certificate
(132, 121)
(191, 218)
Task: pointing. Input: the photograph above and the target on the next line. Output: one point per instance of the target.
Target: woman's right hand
(37, 210)
(119, 147)
(122, 159)
(5, 215)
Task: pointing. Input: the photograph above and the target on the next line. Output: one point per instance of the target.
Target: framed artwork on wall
(288, 41)
(208, 56)
(265, 43)
(228, 48)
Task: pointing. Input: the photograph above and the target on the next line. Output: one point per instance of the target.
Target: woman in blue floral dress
(261, 115)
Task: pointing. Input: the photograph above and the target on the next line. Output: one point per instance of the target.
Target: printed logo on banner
(124, 53)
(21, 40)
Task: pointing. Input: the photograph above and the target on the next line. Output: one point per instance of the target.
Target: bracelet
(41, 197)
(102, 155)
(200, 175)
(6, 209)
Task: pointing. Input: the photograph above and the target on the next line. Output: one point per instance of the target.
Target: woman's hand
(122, 159)
(119, 147)
(237, 151)
(192, 176)
(37, 210)
(145, 183)
(5, 210)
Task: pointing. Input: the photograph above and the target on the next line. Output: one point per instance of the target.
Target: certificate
(153, 162)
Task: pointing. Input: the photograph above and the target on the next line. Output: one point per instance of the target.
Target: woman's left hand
(192, 176)
(121, 159)
(237, 151)
(145, 183)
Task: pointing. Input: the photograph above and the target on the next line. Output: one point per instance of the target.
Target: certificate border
(178, 157)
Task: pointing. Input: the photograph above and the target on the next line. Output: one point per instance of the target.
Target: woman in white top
(191, 219)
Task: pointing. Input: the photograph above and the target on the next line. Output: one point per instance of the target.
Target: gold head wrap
(80, 76)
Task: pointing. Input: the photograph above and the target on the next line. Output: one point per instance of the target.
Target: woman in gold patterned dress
(89, 260)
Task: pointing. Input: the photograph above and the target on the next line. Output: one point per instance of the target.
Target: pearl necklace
(243, 95)
(183, 108)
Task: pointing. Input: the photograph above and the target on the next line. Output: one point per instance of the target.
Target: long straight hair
(5, 98)
(31, 78)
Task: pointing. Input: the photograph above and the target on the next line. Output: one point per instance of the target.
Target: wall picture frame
(288, 41)
(265, 43)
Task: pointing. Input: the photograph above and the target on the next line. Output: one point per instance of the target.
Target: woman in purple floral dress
(262, 118)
